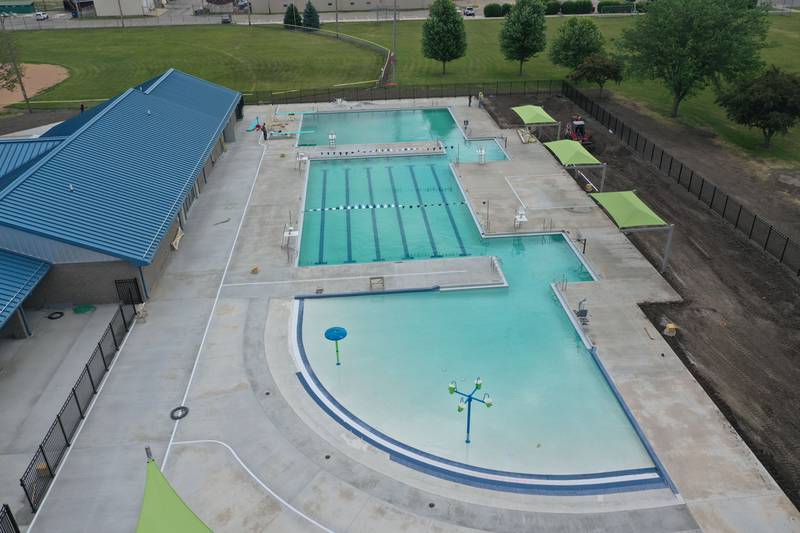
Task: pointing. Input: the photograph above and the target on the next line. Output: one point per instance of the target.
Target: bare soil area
(36, 79)
(739, 322)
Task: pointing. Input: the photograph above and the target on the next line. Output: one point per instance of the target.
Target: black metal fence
(7, 522)
(42, 468)
(761, 232)
(448, 90)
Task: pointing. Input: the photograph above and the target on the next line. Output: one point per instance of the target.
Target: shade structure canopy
(571, 153)
(533, 114)
(627, 210)
(163, 511)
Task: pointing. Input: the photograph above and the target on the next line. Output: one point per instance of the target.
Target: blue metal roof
(116, 184)
(15, 153)
(175, 85)
(71, 125)
(18, 277)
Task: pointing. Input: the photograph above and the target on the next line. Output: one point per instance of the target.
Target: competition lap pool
(557, 425)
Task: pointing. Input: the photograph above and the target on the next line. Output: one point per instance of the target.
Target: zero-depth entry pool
(390, 126)
(558, 425)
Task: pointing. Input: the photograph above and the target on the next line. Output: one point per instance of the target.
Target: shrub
(292, 17)
(553, 7)
(506, 9)
(492, 10)
(578, 7)
(641, 7)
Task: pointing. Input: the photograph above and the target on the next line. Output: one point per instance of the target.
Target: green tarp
(627, 210)
(571, 153)
(163, 511)
(533, 114)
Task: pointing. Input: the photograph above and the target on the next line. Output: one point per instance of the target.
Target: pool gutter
(592, 349)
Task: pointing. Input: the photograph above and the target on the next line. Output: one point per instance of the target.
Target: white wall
(130, 8)
(279, 6)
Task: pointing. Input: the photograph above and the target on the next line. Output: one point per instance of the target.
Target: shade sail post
(667, 248)
(603, 179)
(558, 136)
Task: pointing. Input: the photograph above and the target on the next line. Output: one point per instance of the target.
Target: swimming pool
(558, 425)
(384, 209)
(389, 126)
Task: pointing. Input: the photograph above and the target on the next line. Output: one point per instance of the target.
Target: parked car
(242, 4)
(41, 15)
(227, 18)
(469, 11)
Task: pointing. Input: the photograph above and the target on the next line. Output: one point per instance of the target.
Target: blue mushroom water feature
(336, 334)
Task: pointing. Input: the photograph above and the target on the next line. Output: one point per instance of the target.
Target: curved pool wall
(552, 389)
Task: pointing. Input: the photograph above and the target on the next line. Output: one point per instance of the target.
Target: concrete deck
(257, 454)
(36, 376)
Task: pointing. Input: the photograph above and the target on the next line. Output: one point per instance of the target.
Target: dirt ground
(36, 79)
(739, 324)
(773, 193)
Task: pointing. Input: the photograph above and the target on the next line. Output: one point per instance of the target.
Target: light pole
(336, 7)
(394, 45)
(467, 399)
(336, 334)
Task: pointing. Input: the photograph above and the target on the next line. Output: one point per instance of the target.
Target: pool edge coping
(458, 472)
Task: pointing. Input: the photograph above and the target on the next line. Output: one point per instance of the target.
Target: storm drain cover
(179, 412)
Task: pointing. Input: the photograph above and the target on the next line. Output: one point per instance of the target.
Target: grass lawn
(484, 62)
(104, 62)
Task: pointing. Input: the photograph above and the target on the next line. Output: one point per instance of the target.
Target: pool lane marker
(322, 220)
(374, 218)
(347, 215)
(449, 213)
(399, 216)
(424, 213)
(381, 206)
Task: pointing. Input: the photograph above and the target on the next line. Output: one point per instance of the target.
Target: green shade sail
(627, 209)
(571, 153)
(533, 114)
(163, 511)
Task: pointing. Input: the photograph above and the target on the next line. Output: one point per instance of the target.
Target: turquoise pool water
(377, 127)
(384, 209)
(554, 412)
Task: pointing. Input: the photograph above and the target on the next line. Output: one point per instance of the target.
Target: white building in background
(130, 8)
(279, 6)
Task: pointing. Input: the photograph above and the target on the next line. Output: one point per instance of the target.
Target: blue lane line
(347, 215)
(449, 213)
(424, 213)
(399, 217)
(321, 258)
(374, 218)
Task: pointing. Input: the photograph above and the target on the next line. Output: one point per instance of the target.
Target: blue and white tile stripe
(562, 484)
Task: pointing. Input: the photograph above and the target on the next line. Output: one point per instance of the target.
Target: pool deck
(257, 454)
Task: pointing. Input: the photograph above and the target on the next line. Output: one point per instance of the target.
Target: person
(480, 99)
(469, 102)
(264, 131)
(83, 107)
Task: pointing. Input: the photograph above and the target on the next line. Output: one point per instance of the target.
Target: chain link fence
(42, 468)
(758, 230)
(7, 522)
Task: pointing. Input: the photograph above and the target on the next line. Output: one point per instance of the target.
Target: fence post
(752, 227)
(77, 402)
(738, 216)
(49, 468)
(702, 186)
(63, 431)
(113, 337)
(91, 379)
(785, 245)
(27, 495)
(767, 239)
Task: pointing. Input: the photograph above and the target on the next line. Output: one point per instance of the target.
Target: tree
(11, 71)
(443, 35)
(577, 39)
(688, 44)
(292, 17)
(310, 16)
(522, 35)
(769, 102)
(599, 69)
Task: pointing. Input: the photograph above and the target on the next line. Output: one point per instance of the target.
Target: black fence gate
(7, 522)
(128, 291)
